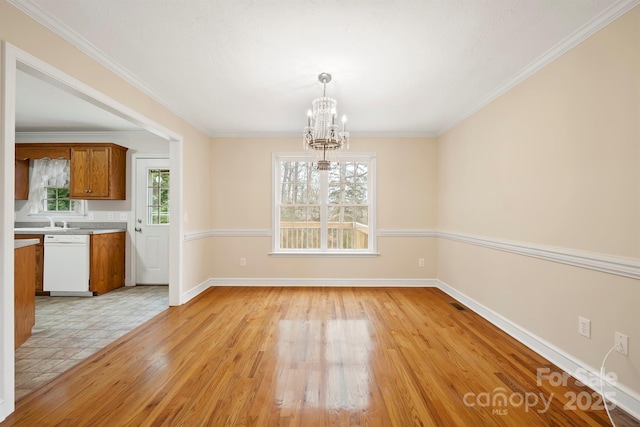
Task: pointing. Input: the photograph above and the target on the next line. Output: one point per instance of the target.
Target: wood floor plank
(310, 357)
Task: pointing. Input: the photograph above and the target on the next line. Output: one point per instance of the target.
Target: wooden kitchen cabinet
(22, 179)
(39, 263)
(107, 262)
(24, 294)
(98, 171)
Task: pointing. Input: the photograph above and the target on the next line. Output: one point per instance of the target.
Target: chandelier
(322, 135)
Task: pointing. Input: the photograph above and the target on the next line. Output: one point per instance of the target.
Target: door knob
(138, 230)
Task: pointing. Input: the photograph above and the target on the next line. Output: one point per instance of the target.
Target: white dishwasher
(66, 265)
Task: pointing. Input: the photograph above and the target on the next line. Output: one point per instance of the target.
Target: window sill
(283, 254)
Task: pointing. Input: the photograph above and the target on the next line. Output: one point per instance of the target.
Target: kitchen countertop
(21, 243)
(70, 232)
(78, 228)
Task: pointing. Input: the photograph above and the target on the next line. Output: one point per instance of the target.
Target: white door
(152, 221)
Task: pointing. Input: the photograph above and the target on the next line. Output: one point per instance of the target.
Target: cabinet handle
(86, 191)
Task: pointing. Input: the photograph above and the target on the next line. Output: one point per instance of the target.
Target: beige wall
(26, 34)
(406, 200)
(555, 161)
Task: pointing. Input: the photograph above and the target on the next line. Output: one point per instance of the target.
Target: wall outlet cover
(584, 327)
(622, 343)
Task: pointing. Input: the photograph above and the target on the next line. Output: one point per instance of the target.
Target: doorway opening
(15, 59)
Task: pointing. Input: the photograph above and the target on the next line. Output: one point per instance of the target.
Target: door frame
(14, 58)
(134, 201)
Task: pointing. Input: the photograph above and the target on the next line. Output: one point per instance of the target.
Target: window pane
(348, 183)
(347, 227)
(158, 181)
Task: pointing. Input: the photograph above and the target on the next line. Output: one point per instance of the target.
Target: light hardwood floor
(311, 357)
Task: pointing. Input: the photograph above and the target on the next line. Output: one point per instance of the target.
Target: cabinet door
(22, 179)
(99, 172)
(107, 262)
(39, 269)
(79, 171)
(24, 293)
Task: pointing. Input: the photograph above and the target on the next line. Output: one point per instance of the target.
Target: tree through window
(323, 211)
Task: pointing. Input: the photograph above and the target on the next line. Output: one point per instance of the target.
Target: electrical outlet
(622, 343)
(123, 216)
(420, 262)
(110, 216)
(584, 327)
(243, 262)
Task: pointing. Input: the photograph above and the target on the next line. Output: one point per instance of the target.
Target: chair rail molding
(621, 266)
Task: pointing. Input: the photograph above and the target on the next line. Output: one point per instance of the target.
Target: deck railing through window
(340, 235)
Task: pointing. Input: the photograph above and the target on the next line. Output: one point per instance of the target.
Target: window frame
(370, 159)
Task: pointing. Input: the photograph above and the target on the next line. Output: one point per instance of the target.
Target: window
(324, 212)
(57, 199)
(49, 189)
(158, 196)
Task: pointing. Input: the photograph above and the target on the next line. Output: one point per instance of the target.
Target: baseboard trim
(195, 291)
(627, 399)
(372, 283)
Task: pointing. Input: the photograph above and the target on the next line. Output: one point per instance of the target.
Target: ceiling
(44, 107)
(249, 68)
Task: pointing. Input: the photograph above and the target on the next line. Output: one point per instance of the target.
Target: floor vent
(458, 306)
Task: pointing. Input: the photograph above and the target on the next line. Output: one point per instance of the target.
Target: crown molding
(87, 135)
(613, 12)
(58, 27)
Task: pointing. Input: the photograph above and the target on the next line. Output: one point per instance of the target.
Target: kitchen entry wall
(101, 211)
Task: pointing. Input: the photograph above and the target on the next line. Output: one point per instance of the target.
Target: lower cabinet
(24, 297)
(106, 268)
(39, 267)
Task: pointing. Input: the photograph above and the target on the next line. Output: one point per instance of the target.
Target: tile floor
(70, 329)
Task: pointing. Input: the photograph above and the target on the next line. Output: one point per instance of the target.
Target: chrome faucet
(64, 224)
(52, 223)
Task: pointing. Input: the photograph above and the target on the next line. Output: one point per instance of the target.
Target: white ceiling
(245, 67)
(44, 107)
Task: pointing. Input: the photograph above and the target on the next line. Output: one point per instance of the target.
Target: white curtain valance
(46, 173)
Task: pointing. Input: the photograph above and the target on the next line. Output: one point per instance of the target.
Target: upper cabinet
(97, 171)
(22, 179)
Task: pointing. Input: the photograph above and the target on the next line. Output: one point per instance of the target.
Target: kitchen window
(49, 189)
(330, 212)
